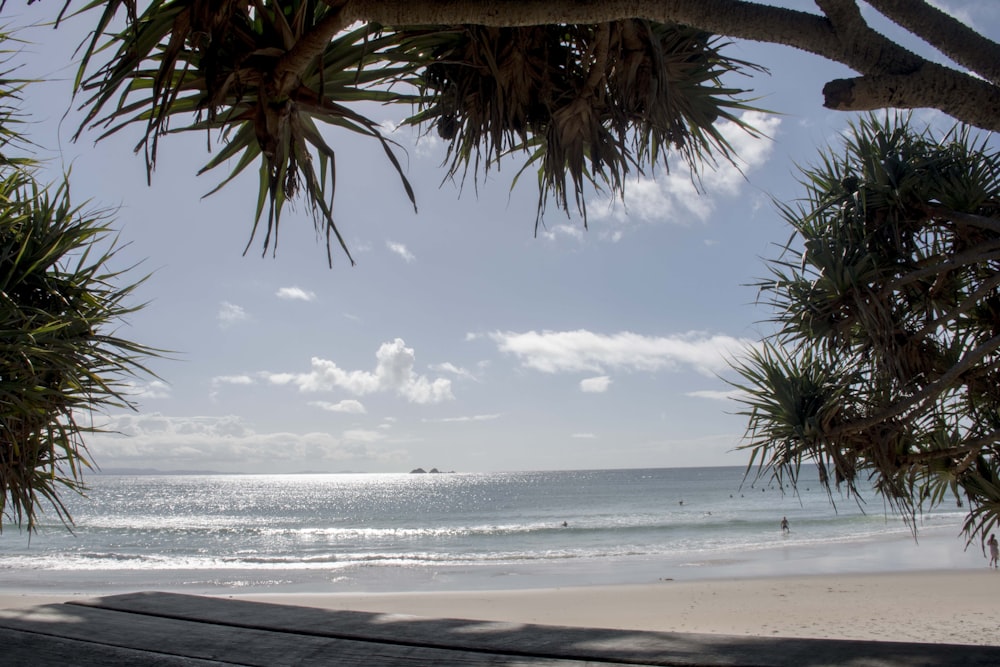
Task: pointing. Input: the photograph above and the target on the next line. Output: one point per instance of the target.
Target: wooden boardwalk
(169, 629)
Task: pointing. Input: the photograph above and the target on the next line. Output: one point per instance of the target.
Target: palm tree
(587, 104)
(60, 358)
(886, 360)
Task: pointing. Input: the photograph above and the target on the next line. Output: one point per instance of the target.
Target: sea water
(382, 532)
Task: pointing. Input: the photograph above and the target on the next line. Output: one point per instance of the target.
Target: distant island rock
(432, 471)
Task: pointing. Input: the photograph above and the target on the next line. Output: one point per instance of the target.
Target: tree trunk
(891, 76)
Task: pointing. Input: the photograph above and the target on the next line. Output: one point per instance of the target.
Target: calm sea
(378, 532)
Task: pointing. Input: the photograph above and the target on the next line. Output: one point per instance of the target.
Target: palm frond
(586, 104)
(890, 293)
(199, 65)
(58, 299)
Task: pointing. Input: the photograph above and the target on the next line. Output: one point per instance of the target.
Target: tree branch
(969, 219)
(864, 49)
(840, 35)
(291, 65)
(967, 304)
(978, 254)
(945, 33)
(928, 392)
(961, 96)
(735, 18)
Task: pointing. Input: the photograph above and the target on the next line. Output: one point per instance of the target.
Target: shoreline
(931, 606)
(937, 549)
(935, 589)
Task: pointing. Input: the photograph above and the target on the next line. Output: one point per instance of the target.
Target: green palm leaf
(587, 104)
(200, 66)
(889, 294)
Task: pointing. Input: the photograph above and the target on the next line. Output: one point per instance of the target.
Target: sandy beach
(940, 607)
(960, 607)
(725, 570)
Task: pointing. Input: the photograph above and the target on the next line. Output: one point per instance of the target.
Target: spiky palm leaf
(257, 73)
(792, 398)
(588, 104)
(13, 143)
(58, 359)
(893, 291)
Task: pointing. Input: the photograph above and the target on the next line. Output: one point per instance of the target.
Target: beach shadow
(171, 629)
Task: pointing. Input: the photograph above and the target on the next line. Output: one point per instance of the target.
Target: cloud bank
(584, 351)
(223, 443)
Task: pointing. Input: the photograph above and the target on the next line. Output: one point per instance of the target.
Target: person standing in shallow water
(994, 550)
(784, 525)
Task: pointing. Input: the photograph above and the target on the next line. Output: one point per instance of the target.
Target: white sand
(960, 607)
(940, 607)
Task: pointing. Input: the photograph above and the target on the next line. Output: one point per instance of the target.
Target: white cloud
(587, 352)
(752, 152)
(676, 196)
(393, 373)
(471, 418)
(730, 395)
(448, 367)
(233, 379)
(349, 406)
(564, 230)
(279, 378)
(295, 293)
(230, 313)
(150, 390)
(389, 126)
(583, 436)
(595, 385)
(429, 145)
(672, 197)
(401, 250)
(362, 435)
(426, 144)
(223, 443)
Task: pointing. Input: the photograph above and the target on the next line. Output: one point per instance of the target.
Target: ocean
(462, 531)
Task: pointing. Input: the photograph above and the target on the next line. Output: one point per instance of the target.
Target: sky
(460, 340)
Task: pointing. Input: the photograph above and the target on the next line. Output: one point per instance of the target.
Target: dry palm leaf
(589, 103)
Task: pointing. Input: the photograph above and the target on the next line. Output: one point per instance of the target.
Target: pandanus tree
(586, 104)
(885, 363)
(585, 92)
(61, 303)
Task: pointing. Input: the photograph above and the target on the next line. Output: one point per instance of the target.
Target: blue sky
(460, 340)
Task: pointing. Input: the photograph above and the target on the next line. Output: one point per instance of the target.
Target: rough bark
(951, 37)
(889, 75)
(965, 98)
(311, 45)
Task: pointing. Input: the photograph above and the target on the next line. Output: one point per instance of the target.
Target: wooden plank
(30, 649)
(564, 643)
(170, 637)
